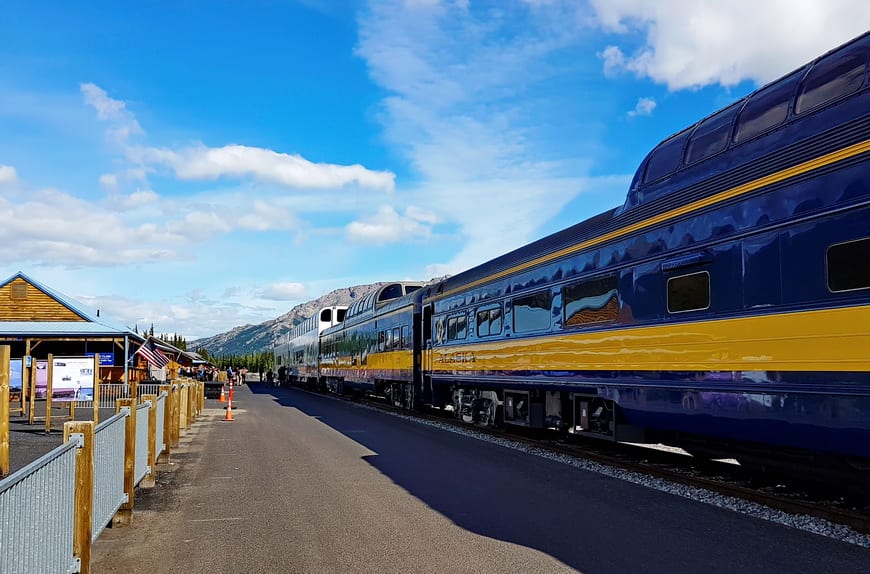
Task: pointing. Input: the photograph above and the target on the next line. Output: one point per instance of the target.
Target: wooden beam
(4, 410)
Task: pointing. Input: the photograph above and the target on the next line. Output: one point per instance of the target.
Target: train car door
(426, 352)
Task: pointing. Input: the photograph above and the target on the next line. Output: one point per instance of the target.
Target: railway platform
(304, 483)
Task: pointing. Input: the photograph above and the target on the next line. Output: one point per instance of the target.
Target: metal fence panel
(149, 389)
(37, 505)
(109, 492)
(161, 417)
(141, 467)
(110, 392)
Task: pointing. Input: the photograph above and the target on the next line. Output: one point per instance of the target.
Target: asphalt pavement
(304, 483)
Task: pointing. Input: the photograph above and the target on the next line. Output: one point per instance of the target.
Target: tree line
(259, 362)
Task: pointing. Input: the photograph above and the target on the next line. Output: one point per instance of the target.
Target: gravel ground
(29, 442)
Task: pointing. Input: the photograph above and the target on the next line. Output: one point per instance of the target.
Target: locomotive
(724, 307)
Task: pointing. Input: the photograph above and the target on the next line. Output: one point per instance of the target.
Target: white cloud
(644, 107)
(262, 216)
(139, 198)
(8, 175)
(239, 161)
(122, 122)
(388, 226)
(463, 107)
(199, 162)
(109, 181)
(283, 292)
(694, 43)
(54, 228)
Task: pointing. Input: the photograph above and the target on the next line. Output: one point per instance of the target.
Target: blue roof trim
(58, 328)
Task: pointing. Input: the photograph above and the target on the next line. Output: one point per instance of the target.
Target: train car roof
(647, 200)
(694, 147)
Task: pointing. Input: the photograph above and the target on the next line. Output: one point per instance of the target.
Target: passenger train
(724, 307)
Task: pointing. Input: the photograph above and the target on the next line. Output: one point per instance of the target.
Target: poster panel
(41, 379)
(72, 379)
(16, 375)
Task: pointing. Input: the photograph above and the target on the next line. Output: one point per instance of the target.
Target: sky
(198, 166)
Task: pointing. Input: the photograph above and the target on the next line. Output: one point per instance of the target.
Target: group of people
(237, 376)
(276, 381)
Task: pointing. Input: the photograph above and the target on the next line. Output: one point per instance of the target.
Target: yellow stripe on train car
(823, 340)
(389, 360)
(794, 171)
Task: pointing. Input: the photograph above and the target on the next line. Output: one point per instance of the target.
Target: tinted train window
(326, 315)
(766, 110)
(849, 265)
(381, 341)
(489, 321)
(711, 137)
(532, 312)
(457, 327)
(391, 292)
(665, 159)
(590, 302)
(340, 315)
(689, 292)
(830, 79)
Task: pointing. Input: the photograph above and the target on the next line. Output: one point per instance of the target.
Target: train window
(326, 315)
(831, 78)
(391, 292)
(711, 136)
(590, 302)
(849, 265)
(766, 109)
(340, 315)
(405, 342)
(397, 342)
(489, 321)
(532, 312)
(439, 330)
(457, 327)
(689, 292)
(381, 341)
(665, 159)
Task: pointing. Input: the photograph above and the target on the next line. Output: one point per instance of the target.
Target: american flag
(152, 354)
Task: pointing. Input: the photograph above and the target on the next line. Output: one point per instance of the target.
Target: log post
(84, 490)
(167, 424)
(124, 515)
(4, 410)
(191, 396)
(151, 478)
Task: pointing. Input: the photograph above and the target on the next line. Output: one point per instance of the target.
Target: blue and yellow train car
(726, 302)
(375, 349)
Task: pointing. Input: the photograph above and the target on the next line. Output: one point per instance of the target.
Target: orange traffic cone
(229, 407)
(223, 398)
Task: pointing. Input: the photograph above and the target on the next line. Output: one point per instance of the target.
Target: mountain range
(262, 337)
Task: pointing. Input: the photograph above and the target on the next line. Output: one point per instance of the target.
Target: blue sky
(203, 165)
